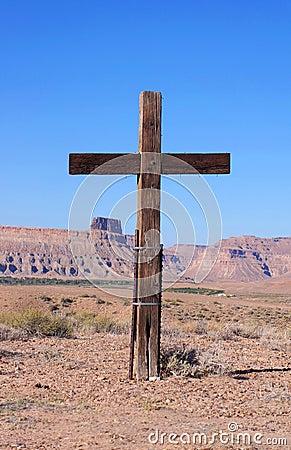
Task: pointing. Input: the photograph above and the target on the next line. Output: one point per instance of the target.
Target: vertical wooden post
(134, 306)
(148, 224)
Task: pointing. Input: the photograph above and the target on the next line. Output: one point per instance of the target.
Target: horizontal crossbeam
(204, 163)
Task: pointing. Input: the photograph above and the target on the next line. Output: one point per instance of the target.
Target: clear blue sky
(71, 72)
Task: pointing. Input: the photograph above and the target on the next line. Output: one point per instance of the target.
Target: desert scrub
(45, 298)
(86, 295)
(8, 333)
(37, 323)
(188, 362)
(233, 331)
(66, 301)
(90, 322)
(171, 302)
(179, 362)
(274, 339)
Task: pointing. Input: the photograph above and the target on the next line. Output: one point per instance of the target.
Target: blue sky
(71, 72)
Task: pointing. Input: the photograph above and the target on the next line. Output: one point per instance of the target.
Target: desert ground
(225, 369)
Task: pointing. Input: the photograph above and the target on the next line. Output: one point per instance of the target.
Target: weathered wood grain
(170, 163)
(103, 163)
(148, 224)
(134, 307)
(191, 163)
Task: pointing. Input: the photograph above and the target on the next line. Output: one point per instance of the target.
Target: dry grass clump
(34, 322)
(224, 331)
(270, 337)
(213, 360)
(188, 362)
(8, 333)
(274, 339)
(230, 331)
(92, 323)
(179, 362)
(233, 331)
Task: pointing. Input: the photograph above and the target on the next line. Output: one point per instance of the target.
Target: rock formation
(104, 252)
(245, 258)
(103, 223)
(38, 252)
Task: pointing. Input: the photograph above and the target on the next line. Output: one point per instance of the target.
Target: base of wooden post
(146, 324)
(154, 378)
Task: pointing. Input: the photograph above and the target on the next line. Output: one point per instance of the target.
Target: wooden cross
(148, 164)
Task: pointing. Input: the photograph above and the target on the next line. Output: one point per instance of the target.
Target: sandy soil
(59, 393)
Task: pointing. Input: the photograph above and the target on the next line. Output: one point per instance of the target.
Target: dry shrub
(198, 326)
(8, 333)
(188, 362)
(213, 360)
(172, 333)
(90, 322)
(201, 327)
(270, 337)
(274, 339)
(179, 362)
(231, 332)
(33, 322)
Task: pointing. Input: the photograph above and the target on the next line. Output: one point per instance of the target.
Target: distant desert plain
(64, 348)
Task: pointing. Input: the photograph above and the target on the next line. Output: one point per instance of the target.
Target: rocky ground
(74, 392)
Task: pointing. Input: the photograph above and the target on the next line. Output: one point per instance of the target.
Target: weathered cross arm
(210, 163)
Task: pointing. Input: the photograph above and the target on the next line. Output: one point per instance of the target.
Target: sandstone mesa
(104, 251)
